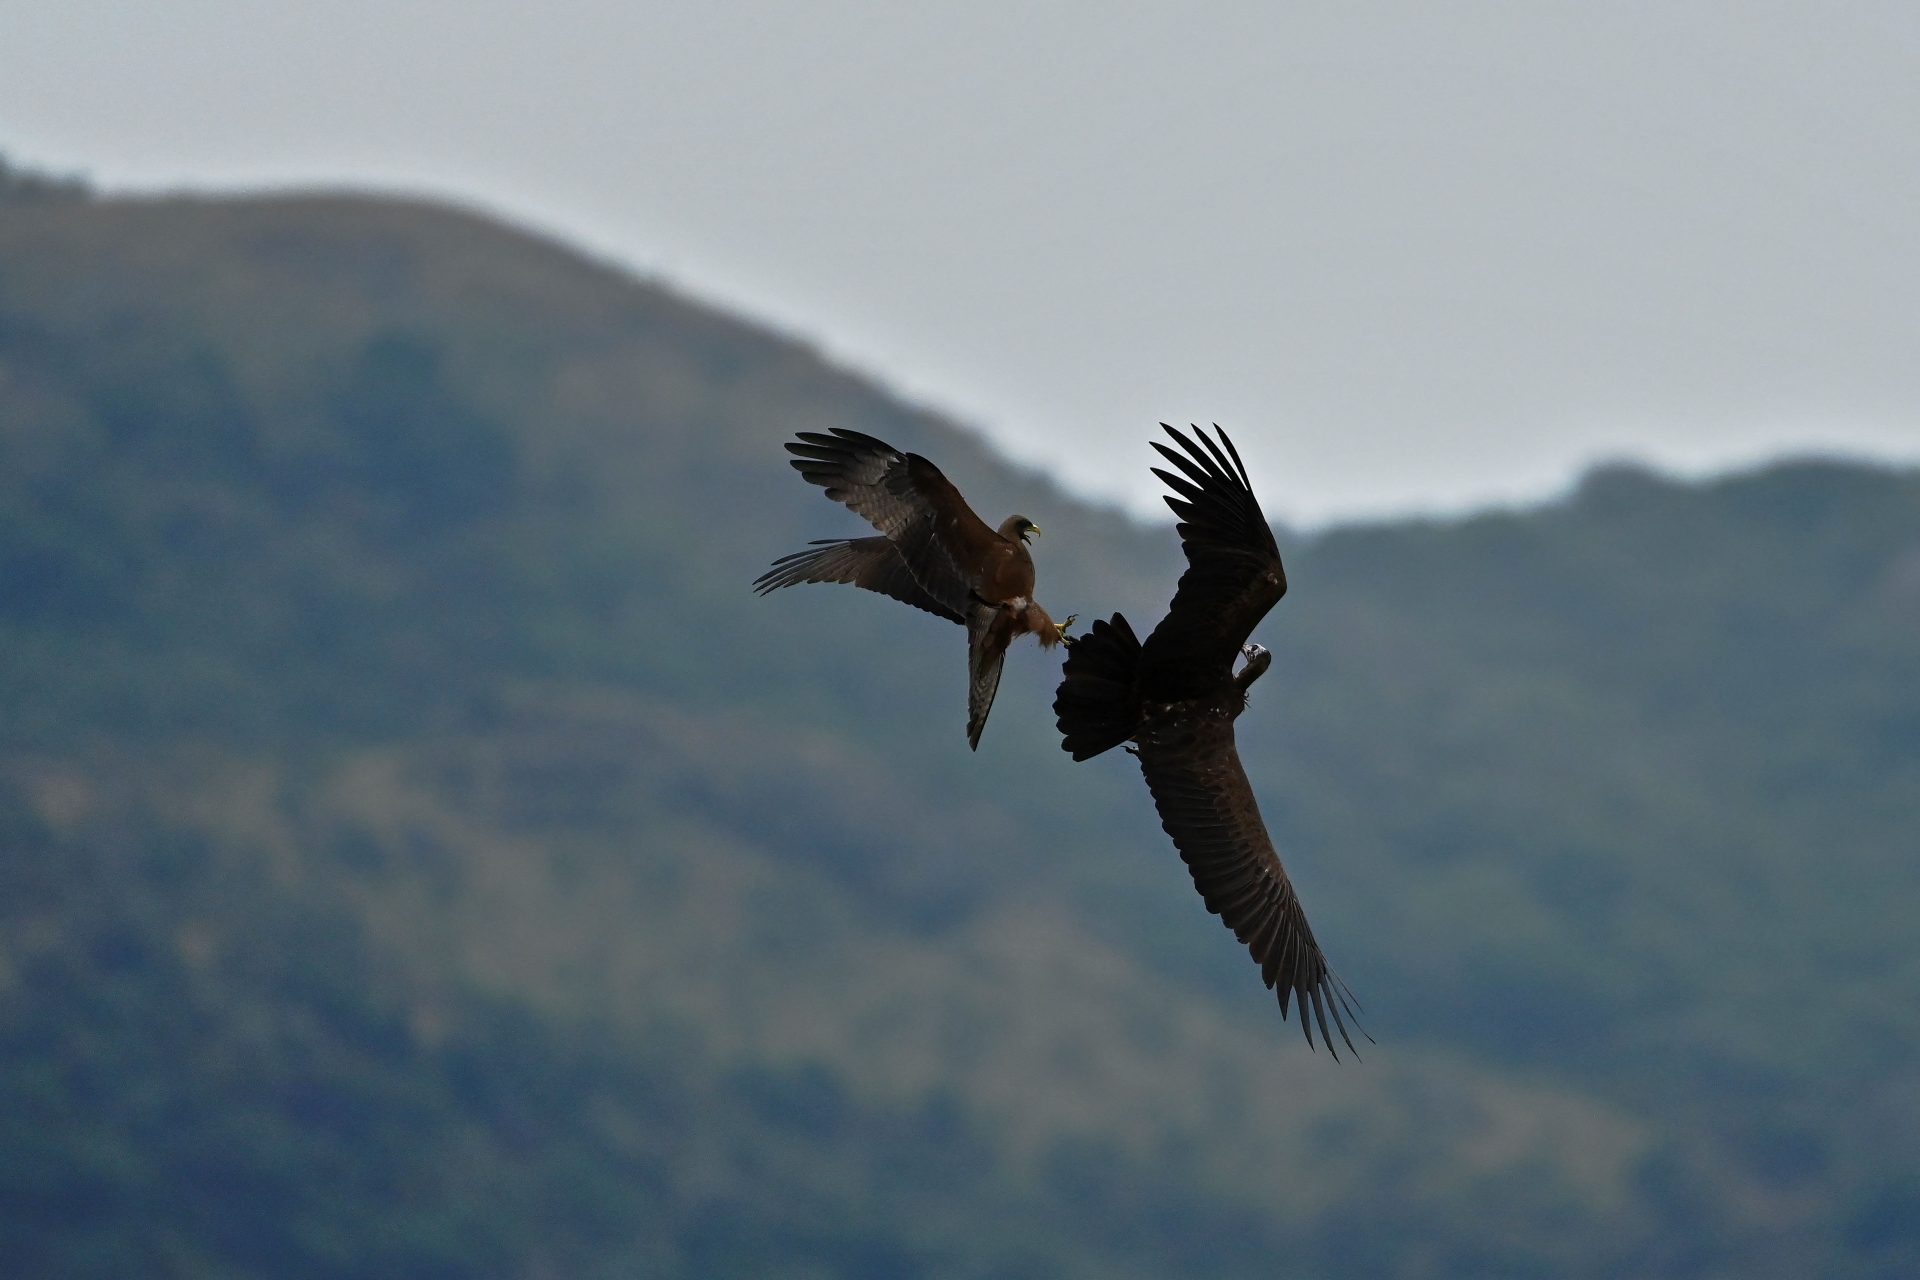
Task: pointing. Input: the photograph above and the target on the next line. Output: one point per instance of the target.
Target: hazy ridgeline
(423, 856)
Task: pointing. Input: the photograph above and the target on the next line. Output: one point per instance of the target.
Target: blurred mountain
(421, 855)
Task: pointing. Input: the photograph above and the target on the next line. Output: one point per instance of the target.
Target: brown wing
(1233, 572)
(1206, 804)
(945, 546)
(872, 563)
(989, 631)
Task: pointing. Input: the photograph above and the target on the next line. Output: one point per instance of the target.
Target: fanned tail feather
(1096, 707)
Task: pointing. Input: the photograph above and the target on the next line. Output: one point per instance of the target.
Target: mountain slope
(423, 854)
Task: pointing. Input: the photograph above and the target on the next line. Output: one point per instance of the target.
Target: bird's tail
(1097, 707)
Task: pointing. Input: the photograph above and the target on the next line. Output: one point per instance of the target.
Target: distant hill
(420, 854)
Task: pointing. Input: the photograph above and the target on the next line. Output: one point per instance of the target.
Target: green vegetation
(421, 855)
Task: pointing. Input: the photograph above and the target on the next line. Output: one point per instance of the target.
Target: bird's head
(1258, 660)
(1019, 528)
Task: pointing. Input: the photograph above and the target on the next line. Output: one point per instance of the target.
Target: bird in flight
(1175, 698)
(932, 552)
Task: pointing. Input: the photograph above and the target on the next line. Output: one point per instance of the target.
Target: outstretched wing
(1206, 804)
(941, 541)
(872, 563)
(1233, 572)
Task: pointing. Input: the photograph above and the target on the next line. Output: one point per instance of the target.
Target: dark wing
(1206, 805)
(872, 563)
(942, 542)
(1233, 572)
(989, 631)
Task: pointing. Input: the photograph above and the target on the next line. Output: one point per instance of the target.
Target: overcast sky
(1416, 256)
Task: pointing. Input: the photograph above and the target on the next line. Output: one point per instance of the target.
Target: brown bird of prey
(1176, 698)
(933, 553)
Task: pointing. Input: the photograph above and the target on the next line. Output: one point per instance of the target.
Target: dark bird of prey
(933, 553)
(1176, 698)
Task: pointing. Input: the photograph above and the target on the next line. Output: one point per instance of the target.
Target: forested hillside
(420, 854)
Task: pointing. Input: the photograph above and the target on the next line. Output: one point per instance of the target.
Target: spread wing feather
(1193, 769)
(1234, 574)
(873, 563)
(909, 501)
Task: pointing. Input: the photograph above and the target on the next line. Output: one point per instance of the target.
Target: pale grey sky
(1417, 256)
